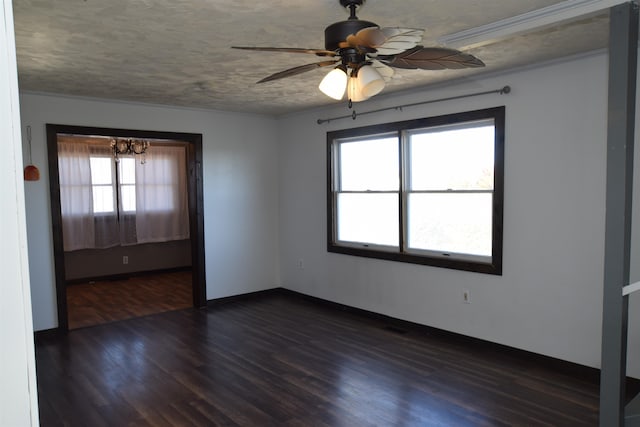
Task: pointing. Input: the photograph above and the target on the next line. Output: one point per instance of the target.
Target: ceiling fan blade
(398, 40)
(319, 52)
(297, 70)
(432, 58)
(392, 32)
(367, 37)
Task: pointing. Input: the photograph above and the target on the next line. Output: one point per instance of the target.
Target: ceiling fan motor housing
(337, 33)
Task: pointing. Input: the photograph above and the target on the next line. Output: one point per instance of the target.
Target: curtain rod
(354, 115)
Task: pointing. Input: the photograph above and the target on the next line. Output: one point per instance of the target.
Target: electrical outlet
(300, 263)
(466, 296)
(125, 259)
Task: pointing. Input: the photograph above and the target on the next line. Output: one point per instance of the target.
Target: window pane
(369, 165)
(457, 222)
(368, 218)
(455, 159)
(127, 170)
(128, 198)
(102, 198)
(101, 170)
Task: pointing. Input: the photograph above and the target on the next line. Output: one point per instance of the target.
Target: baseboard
(124, 276)
(404, 326)
(45, 334)
(216, 302)
(585, 373)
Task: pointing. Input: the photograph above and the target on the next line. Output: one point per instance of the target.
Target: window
(102, 183)
(427, 191)
(127, 181)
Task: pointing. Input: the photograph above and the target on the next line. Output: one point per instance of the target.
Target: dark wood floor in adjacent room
(281, 360)
(102, 301)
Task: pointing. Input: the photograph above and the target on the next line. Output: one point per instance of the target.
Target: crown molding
(526, 22)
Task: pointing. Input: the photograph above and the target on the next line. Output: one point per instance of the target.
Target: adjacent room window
(426, 191)
(127, 182)
(102, 184)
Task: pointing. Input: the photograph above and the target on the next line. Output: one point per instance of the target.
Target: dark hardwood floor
(103, 301)
(281, 360)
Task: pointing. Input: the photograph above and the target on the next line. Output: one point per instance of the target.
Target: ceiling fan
(363, 56)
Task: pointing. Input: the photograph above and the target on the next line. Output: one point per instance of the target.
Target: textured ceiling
(177, 52)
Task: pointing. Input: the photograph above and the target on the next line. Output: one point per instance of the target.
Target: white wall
(240, 190)
(18, 394)
(549, 298)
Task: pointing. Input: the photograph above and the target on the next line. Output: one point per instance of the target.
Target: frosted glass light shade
(334, 84)
(354, 91)
(370, 81)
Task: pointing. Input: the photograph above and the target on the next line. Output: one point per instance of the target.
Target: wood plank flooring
(99, 302)
(281, 360)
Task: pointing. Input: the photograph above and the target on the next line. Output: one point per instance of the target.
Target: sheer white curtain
(82, 228)
(126, 167)
(107, 225)
(149, 204)
(76, 199)
(161, 195)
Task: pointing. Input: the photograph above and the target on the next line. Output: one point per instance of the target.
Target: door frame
(195, 202)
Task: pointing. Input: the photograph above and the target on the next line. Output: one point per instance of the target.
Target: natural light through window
(127, 176)
(102, 179)
(103, 184)
(449, 204)
(427, 191)
(368, 200)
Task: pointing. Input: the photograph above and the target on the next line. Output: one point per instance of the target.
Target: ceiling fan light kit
(354, 91)
(360, 84)
(370, 81)
(364, 55)
(334, 83)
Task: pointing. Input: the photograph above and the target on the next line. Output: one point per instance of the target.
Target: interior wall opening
(127, 222)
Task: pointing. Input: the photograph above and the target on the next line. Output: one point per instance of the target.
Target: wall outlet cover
(466, 297)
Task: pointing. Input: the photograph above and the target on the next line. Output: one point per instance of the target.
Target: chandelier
(129, 146)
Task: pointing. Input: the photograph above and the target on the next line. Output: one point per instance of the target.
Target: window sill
(494, 268)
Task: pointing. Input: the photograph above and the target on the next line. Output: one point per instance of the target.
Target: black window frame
(494, 266)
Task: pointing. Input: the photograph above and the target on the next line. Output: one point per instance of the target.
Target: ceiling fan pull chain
(353, 113)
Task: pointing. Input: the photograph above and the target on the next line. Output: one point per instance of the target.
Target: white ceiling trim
(520, 24)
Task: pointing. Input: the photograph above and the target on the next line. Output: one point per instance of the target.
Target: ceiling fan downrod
(352, 5)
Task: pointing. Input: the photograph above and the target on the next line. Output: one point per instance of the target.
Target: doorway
(193, 153)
